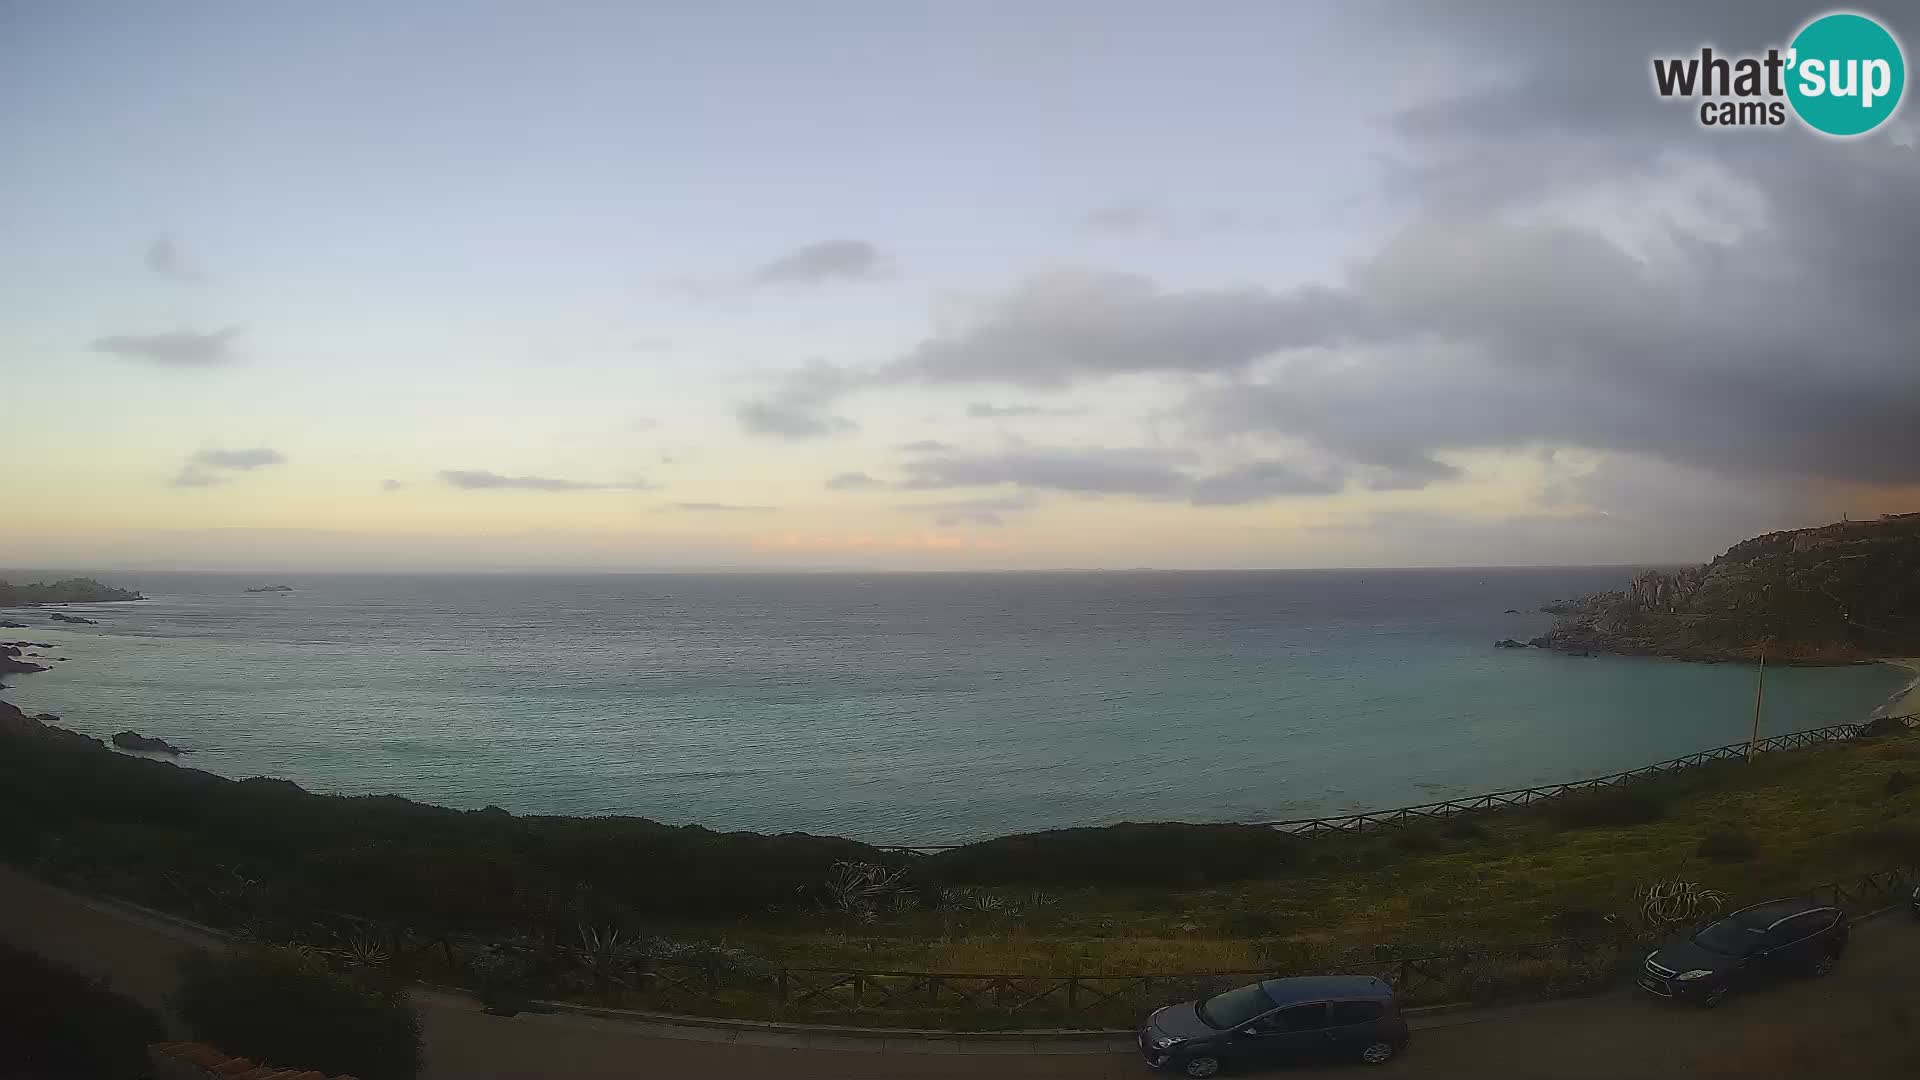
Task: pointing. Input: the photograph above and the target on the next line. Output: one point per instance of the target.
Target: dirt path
(1862, 1022)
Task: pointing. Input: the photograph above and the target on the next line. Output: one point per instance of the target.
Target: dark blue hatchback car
(1275, 1022)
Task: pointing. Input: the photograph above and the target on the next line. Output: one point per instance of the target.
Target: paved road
(1861, 1022)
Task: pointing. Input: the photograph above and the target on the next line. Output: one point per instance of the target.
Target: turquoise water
(899, 708)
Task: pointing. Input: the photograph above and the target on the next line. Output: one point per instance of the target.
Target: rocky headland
(69, 591)
(1837, 594)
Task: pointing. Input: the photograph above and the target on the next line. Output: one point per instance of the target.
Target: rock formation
(70, 591)
(133, 740)
(1836, 594)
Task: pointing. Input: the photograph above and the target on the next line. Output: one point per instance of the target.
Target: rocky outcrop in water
(77, 590)
(57, 617)
(133, 740)
(11, 664)
(1832, 595)
(273, 588)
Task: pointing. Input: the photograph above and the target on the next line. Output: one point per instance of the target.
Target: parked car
(1275, 1022)
(1765, 941)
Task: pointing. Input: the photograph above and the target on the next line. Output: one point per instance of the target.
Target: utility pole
(1759, 690)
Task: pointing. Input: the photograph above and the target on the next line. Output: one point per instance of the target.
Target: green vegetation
(631, 912)
(1829, 595)
(55, 1023)
(285, 1006)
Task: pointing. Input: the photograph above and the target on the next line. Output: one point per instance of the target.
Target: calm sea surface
(898, 708)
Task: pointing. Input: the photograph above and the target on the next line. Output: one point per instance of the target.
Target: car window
(1343, 1013)
(1299, 1018)
(1801, 925)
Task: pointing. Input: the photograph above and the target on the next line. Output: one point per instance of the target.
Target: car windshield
(1728, 938)
(1235, 1007)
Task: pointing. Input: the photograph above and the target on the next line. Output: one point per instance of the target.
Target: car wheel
(1204, 1065)
(1377, 1053)
(1824, 963)
(1714, 997)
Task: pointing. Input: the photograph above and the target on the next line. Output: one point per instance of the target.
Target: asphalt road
(1863, 1021)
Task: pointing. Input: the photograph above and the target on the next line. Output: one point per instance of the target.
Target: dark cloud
(1068, 325)
(828, 260)
(252, 458)
(722, 508)
(180, 348)
(482, 480)
(798, 407)
(852, 481)
(1259, 480)
(192, 476)
(165, 258)
(985, 410)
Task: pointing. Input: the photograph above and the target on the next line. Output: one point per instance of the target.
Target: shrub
(57, 1023)
(1463, 828)
(1254, 924)
(1129, 854)
(1726, 845)
(282, 1006)
(1899, 839)
(1416, 840)
(1898, 782)
(1608, 806)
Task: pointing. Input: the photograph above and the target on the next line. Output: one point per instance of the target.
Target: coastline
(1904, 702)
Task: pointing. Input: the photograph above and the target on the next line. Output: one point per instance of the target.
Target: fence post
(1073, 993)
(857, 990)
(781, 993)
(710, 969)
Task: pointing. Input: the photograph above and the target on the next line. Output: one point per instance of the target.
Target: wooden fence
(712, 982)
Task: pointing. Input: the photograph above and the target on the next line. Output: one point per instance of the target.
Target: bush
(1899, 839)
(56, 1023)
(1608, 806)
(1898, 782)
(283, 1007)
(1128, 854)
(1726, 846)
(1463, 828)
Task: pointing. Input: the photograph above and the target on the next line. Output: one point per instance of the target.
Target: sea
(911, 709)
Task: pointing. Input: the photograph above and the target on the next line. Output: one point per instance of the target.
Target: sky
(879, 286)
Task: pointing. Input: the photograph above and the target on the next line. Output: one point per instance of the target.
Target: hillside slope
(1830, 595)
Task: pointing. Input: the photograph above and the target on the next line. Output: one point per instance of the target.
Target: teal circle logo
(1845, 74)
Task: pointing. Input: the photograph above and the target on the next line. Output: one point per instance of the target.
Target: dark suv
(1764, 941)
(1275, 1022)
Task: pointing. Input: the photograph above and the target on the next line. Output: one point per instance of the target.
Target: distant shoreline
(1905, 702)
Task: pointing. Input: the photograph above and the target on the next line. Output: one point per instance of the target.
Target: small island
(77, 590)
(1837, 594)
(273, 588)
(57, 617)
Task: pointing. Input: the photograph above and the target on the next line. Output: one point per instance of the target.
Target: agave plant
(1665, 905)
(858, 889)
(605, 957)
(364, 950)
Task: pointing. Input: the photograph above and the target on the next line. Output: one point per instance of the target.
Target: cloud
(391, 485)
(650, 344)
(989, 411)
(165, 258)
(1260, 480)
(482, 480)
(989, 513)
(191, 476)
(798, 406)
(826, 261)
(926, 446)
(852, 481)
(1085, 471)
(180, 348)
(643, 423)
(239, 459)
(722, 508)
(1129, 216)
(203, 468)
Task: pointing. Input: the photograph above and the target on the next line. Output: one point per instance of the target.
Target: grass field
(1786, 821)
